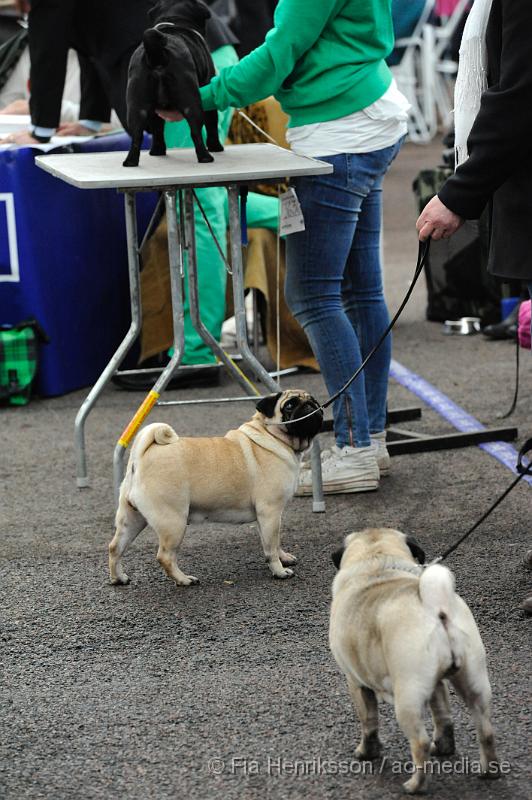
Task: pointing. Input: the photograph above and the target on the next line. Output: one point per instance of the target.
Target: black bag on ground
(458, 283)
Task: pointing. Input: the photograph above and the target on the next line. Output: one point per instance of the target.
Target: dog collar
(385, 566)
(164, 25)
(180, 30)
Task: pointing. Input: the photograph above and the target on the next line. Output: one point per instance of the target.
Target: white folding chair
(415, 78)
(436, 44)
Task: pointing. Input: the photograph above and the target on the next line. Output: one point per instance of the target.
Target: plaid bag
(18, 361)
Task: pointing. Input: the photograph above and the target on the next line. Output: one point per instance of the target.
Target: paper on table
(53, 144)
(10, 123)
(55, 141)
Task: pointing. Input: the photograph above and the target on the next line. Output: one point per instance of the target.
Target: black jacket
(253, 20)
(499, 168)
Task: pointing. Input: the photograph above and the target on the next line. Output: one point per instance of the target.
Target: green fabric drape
(262, 212)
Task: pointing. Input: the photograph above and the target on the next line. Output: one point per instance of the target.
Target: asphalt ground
(228, 689)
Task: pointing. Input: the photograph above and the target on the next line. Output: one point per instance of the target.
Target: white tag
(291, 215)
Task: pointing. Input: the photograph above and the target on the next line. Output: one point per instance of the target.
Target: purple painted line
(453, 413)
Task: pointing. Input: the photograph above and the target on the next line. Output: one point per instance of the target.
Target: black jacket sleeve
(501, 138)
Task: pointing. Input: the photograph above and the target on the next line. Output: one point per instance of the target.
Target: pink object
(523, 324)
(444, 8)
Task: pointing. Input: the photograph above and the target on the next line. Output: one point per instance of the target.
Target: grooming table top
(239, 163)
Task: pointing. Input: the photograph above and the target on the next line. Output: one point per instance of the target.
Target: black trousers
(51, 34)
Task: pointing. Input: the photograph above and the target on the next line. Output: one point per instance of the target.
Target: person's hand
(169, 116)
(16, 107)
(74, 129)
(23, 6)
(19, 137)
(437, 221)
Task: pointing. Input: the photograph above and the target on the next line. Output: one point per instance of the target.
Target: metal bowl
(465, 326)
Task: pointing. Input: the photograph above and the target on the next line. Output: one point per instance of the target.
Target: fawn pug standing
(398, 632)
(248, 474)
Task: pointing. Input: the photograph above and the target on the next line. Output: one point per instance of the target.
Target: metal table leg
(175, 254)
(125, 346)
(238, 293)
(318, 502)
(208, 338)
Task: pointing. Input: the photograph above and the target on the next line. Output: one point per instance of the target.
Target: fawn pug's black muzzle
(298, 425)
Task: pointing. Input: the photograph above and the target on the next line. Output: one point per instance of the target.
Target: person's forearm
(262, 72)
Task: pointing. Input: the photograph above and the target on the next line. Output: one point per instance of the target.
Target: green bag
(18, 361)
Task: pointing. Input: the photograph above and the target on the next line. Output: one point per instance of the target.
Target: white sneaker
(344, 470)
(383, 456)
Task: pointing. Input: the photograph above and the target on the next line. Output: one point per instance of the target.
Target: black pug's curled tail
(154, 45)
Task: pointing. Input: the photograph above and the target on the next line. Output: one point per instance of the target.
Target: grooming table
(176, 176)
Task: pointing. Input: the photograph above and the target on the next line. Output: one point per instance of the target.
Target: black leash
(516, 390)
(522, 470)
(423, 252)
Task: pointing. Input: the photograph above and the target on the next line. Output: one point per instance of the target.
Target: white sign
(13, 276)
(291, 215)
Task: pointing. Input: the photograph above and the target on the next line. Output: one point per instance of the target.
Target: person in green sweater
(324, 61)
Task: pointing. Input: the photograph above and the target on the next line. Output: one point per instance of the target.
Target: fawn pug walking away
(248, 474)
(398, 632)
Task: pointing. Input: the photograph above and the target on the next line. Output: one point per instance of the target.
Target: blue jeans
(334, 286)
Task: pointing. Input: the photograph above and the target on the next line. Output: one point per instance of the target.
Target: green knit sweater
(324, 59)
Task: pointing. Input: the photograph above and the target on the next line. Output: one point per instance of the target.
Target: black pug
(165, 72)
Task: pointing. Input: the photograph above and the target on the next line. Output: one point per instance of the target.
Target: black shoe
(184, 378)
(507, 329)
(501, 331)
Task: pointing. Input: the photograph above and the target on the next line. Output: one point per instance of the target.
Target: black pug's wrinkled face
(192, 12)
(291, 407)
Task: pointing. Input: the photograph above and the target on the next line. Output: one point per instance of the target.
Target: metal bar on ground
(403, 415)
(210, 400)
(407, 414)
(451, 440)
